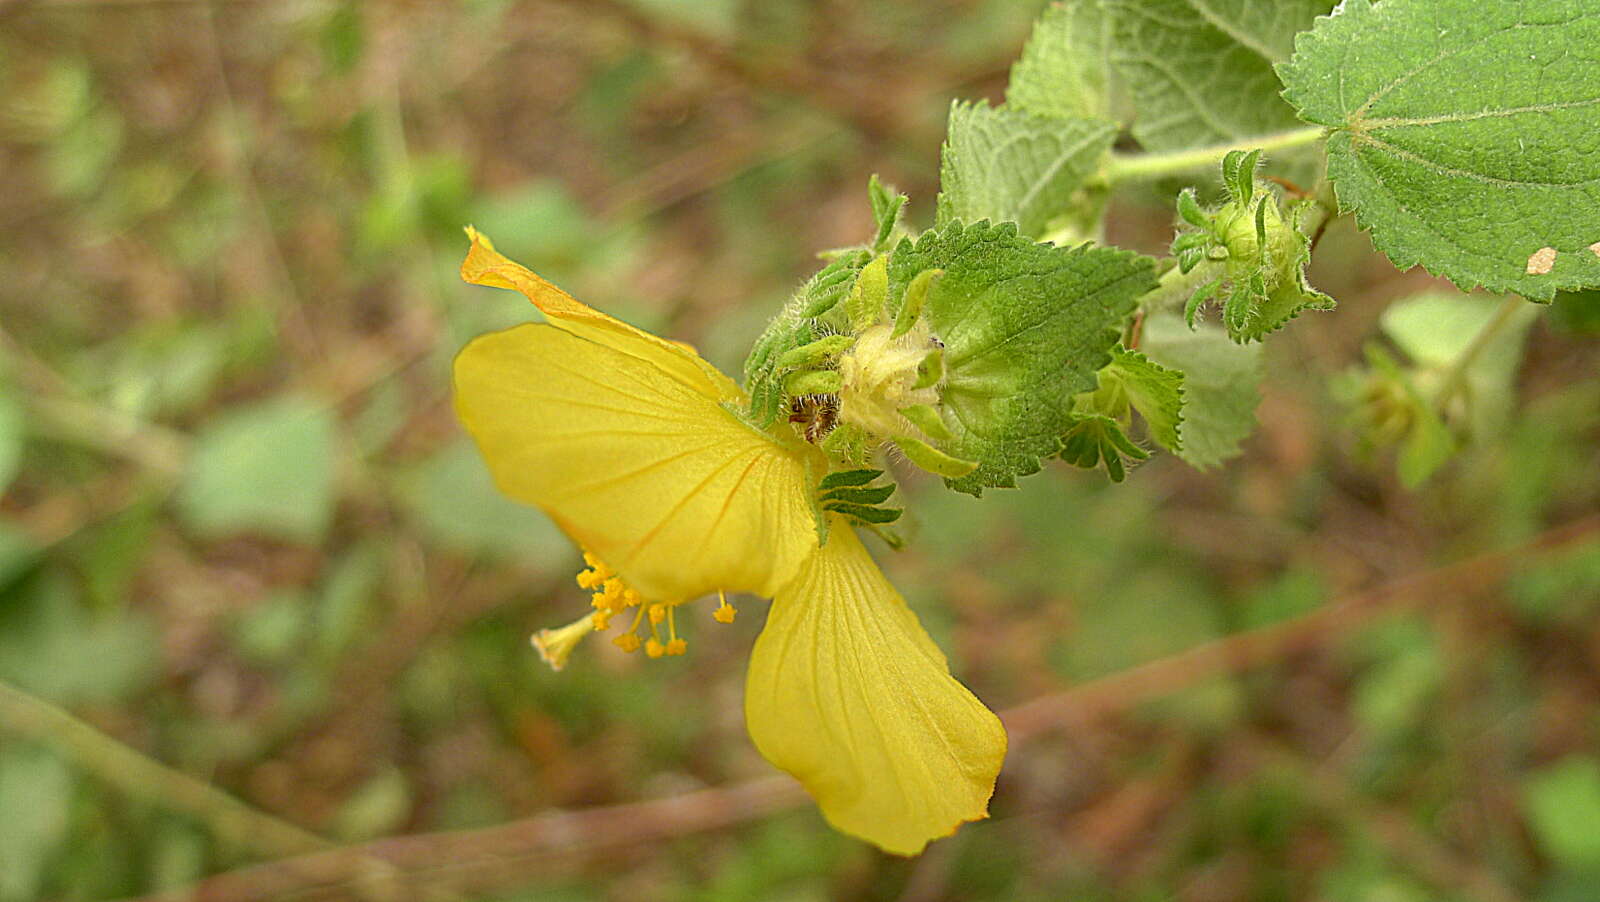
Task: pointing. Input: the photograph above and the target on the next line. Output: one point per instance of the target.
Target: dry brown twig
(503, 855)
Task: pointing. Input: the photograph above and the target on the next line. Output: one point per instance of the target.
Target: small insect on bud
(815, 414)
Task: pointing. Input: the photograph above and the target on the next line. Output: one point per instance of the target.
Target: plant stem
(1145, 166)
(1455, 378)
(132, 772)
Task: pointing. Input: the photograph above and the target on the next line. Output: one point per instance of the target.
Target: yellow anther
(599, 601)
(631, 597)
(588, 579)
(628, 642)
(677, 647)
(654, 648)
(725, 612)
(602, 620)
(658, 613)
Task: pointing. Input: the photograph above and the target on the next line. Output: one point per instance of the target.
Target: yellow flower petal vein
(650, 473)
(848, 693)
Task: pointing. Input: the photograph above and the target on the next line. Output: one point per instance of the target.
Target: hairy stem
(1137, 167)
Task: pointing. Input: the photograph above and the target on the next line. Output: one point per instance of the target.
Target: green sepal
(1258, 254)
(796, 325)
(1239, 174)
(812, 382)
(1189, 209)
(932, 459)
(930, 370)
(928, 420)
(872, 495)
(868, 515)
(1094, 439)
(822, 350)
(1202, 294)
(911, 305)
(846, 478)
(1192, 249)
(886, 206)
(869, 294)
(832, 283)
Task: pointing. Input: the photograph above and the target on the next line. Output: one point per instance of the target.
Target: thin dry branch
(507, 854)
(871, 115)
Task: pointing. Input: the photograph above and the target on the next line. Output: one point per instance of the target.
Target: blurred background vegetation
(241, 534)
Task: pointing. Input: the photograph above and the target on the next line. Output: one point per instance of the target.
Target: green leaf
(1576, 311)
(452, 497)
(1395, 694)
(1007, 166)
(1200, 71)
(1219, 385)
(11, 436)
(378, 807)
(345, 610)
(1463, 134)
(1065, 70)
(1563, 806)
(1434, 329)
(1025, 327)
(1427, 443)
(18, 552)
(272, 630)
(266, 468)
(1153, 390)
(36, 791)
(52, 646)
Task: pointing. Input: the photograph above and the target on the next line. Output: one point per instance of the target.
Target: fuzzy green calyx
(1253, 250)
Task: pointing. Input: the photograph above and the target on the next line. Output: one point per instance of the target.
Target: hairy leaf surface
(1466, 135)
(1065, 70)
(1007, 166)
(1200, 71)
(1220, 382)
(1025, 326)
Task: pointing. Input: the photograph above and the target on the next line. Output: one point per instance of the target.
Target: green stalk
(1146, 166)
(1455, 378)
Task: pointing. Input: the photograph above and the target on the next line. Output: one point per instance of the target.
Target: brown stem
(506, 854)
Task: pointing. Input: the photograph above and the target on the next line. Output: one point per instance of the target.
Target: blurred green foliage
(241, 533)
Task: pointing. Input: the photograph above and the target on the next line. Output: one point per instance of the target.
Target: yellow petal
(639, 463)
(486, 266)
(848, 694)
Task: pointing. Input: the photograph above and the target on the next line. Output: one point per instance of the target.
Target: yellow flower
(635, 446)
